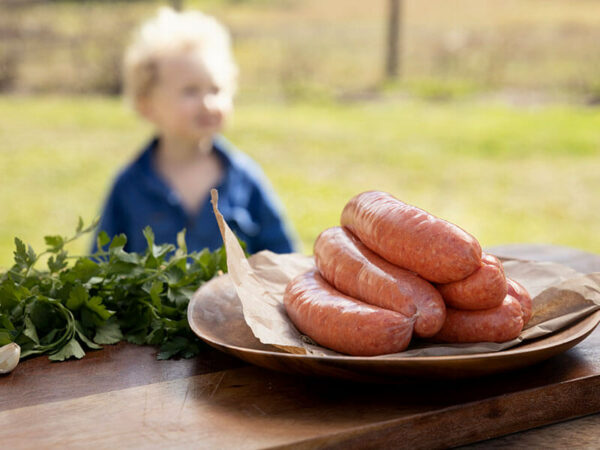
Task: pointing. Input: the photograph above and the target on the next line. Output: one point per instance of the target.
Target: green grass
(503, 173)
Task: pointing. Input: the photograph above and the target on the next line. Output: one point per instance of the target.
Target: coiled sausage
(520, 293)
(483, 289)
(353, 269)
(411, 238)
(341, 323)
(498, 324)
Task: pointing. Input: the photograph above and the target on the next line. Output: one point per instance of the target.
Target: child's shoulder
(239, 162)
(137, 169)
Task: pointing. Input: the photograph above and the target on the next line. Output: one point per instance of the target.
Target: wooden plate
(215, 315)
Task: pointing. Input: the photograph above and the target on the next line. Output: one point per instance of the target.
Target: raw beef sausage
(342, 323)
(484, 289)
(520, 293)
(411, 238)
(498, 324)
(356, 271)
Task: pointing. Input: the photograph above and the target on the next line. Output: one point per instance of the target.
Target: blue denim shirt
(140, 197)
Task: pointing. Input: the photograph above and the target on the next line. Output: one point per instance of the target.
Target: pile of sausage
(393, 270)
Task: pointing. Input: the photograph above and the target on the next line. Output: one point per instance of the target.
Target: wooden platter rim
(506, 357)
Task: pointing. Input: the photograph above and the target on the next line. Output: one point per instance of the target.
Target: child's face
(188, 102)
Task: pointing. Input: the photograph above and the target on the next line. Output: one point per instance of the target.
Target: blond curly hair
(170, 33)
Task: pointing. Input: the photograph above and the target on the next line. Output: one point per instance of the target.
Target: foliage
(104, 298)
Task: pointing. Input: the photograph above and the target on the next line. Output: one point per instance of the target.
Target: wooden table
(121, 397)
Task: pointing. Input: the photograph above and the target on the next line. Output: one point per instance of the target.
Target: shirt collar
(155, 182)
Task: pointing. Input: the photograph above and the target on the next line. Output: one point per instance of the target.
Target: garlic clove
(9, 357)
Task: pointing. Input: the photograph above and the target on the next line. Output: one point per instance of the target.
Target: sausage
(498, 324)
(341, 323)
(411, 238)
(353, 269)
(517, 290)
(483, 289)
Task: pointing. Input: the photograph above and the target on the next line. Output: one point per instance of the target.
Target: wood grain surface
(121, 397)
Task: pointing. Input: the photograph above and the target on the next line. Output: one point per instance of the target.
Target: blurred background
(484, 112)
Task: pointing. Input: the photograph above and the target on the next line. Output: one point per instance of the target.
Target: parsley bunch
(112, 295)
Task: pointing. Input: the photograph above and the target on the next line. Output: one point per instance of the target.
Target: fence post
(177, 4)
(393, 53)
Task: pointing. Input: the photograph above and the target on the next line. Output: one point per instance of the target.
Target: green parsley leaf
(30, 331)
(83, 338)
(5, 337)
(21, 255)
(95, 304)
(171, 348)
(118, 241)
(56, 264)
(102, 239)
(71, 349)
(109, 333)
(54, 243)
(77, 298)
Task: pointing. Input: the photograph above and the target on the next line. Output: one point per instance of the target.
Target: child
(180, 76)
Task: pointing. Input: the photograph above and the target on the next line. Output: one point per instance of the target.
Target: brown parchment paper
(561, 296)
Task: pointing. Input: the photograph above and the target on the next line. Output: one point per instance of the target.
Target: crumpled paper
(561, 296)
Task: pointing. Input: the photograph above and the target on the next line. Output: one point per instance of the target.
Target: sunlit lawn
(505, 174)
